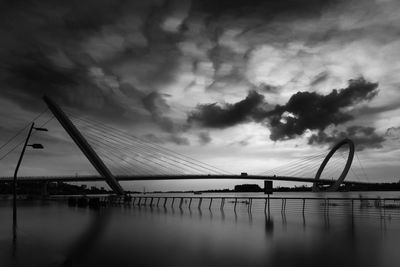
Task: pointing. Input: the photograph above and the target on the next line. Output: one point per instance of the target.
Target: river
(50, 233)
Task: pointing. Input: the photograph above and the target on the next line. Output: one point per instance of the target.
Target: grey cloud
(34, 75)
(171, 138)
(267, 88)
(393, 133)
(158, 108)
(204, 138)
(321, 77)
(214, 116)
(304, 110)
(312, 111)
(51, 47)
(266, 9)
(363, 137)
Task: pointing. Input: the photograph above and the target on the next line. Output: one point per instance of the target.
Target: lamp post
(34, 146)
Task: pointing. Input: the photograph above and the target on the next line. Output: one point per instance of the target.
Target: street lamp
(34, 146)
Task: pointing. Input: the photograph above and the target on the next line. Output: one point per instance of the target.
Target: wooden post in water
(180, 204)
(200, 200)
(265, 206)
(190, 203)
(384, 208)
(250, 204)
(352, 206)
(165, 202)
(209, 207)
(327, 209)
(235, 203)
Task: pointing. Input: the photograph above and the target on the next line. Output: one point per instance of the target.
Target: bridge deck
(173, 177)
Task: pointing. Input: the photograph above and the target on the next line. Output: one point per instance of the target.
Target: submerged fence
(364, 207)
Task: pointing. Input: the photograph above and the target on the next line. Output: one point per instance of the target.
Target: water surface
(49, 233)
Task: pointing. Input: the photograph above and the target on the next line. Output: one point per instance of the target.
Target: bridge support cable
(331, 171)
(123, 165)
(362, 168)
(23, 140)
(166, 152)
(177, 162)
(305, 170)
(343, 175)
(146, 162)
(120, 163)
(84, 146)
(22, 129)
(353, 170)
(151, 150)
(295, 165)
(118, 151)
(123, 148)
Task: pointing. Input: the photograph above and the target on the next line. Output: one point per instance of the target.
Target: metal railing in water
(304, 205)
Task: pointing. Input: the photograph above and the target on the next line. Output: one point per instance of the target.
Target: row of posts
(268, 186)
(157, 201)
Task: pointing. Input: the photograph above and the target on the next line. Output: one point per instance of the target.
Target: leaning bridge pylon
(334, 187)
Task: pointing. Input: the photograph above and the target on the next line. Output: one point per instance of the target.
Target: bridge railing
(328, 206)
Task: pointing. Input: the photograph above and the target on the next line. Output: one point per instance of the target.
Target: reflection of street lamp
(34, 146)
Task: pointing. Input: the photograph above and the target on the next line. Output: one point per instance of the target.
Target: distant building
(248, 188)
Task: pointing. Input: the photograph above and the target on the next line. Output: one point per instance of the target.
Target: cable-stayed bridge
(119, 156)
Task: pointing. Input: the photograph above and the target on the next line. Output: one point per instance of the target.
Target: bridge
(125, 178)
(168, 165)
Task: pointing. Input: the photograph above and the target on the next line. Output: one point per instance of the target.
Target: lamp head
(40, 129)
(36, 146)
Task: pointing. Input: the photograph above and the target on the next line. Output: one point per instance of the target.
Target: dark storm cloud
(157, 106)
(34, 75)
(263, 8)
(312, 111)
(61, 49)
(363, 137)
(304, 110)
(38, 53)
(214, 116)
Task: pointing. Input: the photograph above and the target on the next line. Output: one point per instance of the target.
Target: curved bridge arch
(346, 169)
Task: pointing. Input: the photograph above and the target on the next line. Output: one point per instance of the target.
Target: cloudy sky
(243, 85)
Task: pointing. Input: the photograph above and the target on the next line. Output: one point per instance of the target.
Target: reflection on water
(325, 234)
